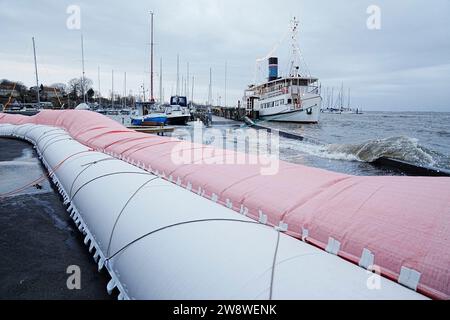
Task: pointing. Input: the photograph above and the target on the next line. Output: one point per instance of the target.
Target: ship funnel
(273, 68)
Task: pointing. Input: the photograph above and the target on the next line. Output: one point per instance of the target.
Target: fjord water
(349, 142)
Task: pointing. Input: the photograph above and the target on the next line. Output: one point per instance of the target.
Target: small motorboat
(153, 119)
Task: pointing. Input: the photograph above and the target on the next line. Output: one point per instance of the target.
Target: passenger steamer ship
(293, 98)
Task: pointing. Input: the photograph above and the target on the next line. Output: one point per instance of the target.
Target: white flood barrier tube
(158, 240)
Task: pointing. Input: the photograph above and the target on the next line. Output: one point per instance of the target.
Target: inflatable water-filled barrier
(204, 230)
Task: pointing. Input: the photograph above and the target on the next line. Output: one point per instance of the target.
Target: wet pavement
(38, 240)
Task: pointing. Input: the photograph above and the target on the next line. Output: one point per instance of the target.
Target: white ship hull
(308, 113)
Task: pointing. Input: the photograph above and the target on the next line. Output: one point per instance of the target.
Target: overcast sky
(403, 66)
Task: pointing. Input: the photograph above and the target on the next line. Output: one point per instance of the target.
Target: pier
(218, 115)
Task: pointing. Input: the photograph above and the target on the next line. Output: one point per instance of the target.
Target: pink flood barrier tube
(404, 222)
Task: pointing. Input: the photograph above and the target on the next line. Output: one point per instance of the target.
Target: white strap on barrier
(229, 204)
(214, 197)
(305, 233)
(333, 246)
(101, 263)
(262, 217)
(282, 227)
(409, 278)
(367, 259)
(96, 255)
(111, 285)
(244, 210)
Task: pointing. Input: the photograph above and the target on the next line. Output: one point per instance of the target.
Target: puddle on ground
(23, 175)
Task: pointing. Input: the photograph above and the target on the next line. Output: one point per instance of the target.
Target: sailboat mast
(125, 89)
(143, 91)
(98, 75)
(225, 93)
(183, 87)
(332, 97)
(36, 72)
(348, 98)
(112, 89)
(82, 66)
(178, 75)
(151, 60)
(210, 87)
(187, 82)
(192, 93)
(161, 95)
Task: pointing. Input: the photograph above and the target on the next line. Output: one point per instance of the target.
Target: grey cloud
(404, 64)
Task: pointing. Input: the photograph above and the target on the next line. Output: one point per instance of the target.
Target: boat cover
(397, 225)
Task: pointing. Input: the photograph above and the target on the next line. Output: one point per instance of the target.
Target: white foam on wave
(322, 151)
(401, 148)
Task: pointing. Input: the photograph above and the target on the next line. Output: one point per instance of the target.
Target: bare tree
(59, 86)
(75, 89)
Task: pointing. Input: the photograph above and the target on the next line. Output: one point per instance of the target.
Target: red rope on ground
(42, 177)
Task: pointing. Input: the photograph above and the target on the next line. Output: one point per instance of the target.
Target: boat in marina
(153, 119)
(178, 111)
(292, 98)
(148, 113)
(112, 112)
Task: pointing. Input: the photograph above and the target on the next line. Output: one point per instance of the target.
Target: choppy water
(349, 143)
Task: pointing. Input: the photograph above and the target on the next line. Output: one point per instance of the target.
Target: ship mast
(125, 90)
(83, 81)
(225, 89)
(192, 92)
(36, 71)
(187, 81)
(99, 94)
(210, 88)
(178, 75)
(112, 89)
(161, 95)
(348, 101)
(151, 59)
(294, 32)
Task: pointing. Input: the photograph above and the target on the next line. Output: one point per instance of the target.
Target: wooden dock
(159, 130)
